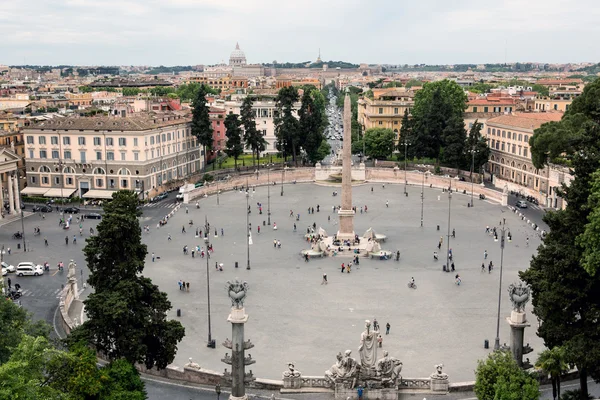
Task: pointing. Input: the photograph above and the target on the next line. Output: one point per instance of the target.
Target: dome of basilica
(237, 56)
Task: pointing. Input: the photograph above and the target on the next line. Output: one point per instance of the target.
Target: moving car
(7, 267)
(93, 216)
(521, 204)
(30, 269)
(44, 209)
(72, 210)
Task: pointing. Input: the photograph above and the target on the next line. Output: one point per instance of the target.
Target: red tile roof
(525, 120)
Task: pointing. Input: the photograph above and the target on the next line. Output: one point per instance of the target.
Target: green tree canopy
(201, 125)
(127, 313)
(253, 138)
(477, 143)
(379, 142)
(552, 362)
(286, 125)
(235, 148)
(499, 377)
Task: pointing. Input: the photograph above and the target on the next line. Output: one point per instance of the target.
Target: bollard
(179, 312)
(264, 223)
(438, 227)
(18, 245)
(406, 194)
(236, 264)
(486, 344)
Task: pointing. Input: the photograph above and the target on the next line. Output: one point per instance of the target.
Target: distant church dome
(237, 56)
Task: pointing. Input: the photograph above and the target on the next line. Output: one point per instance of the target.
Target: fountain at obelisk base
(346, 242)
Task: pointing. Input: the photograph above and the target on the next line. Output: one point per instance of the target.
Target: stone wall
(67, 296)
(323, 173)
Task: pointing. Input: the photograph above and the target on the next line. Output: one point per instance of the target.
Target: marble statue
(388, 369)
(505, 190)
(292, 372)
(519, 296)
(192, 364)
(438, 374)
(71, 274)
(346, 368)
(368, 347)
(237, 292)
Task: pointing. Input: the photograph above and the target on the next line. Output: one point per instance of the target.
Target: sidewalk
(12, 218)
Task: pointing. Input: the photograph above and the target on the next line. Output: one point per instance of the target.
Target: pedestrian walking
(45, 240)
(183, 229)
(152, 256)
(74, 239)
(453, 233)
(180, 284)
(183, 285)
(527, 242)
(324, 281)
(387, 203)
(222, 232)
(294, 227)
(306, 258)
(66, 242)
(482, 267)
(169, 237)
(490, 268)
(274, 243)
(258, 228)
(328, 218)
(485, 254)
(343, 267)
(452, 266)
(359, 392)
(379, 341)
(9, 283)
(375, 324)
(187, 286)
(387, 328)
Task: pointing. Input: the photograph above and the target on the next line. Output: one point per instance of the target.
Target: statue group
(370, 372)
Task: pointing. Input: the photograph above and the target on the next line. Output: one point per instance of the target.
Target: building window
(55, 154)
(110, 156)
(82, 156)
(98, 155)
(493, 143)
(168, 135)
(525, 152)
(30, 153)
(123, 183)
(474, 109)
(66, 140)
(69, 181)
(81, 141)
(99, 182)
(493, 132)
(514, 148)
(157, 138)
(122, 141)
(136, 156)
(56, 180)
(135, 142)
(42, 140)
(33, 179)
(122, 156)
(163, 137)
(151, 140)
(53, 139)
(380, 122)
(527, 138)
(502, 146)
(109, 141)
(519, 150)
(151, 153)
(67, 155)
(97, 141)
(395, 110)
(29, 139)
(514, 135)
(45, 180)
(380, 110)
(485, 109)
(111, 183)
(520, 137)
(503, 134)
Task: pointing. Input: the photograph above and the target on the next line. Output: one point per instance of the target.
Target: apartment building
(93, 157)
(510, 160)
(224, 83)
(385, 109)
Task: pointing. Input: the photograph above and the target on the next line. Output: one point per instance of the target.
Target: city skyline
(190, 32)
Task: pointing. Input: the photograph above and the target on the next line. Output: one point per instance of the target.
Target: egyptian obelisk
(346, 213)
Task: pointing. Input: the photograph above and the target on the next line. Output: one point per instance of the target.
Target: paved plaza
(292, 316)
(295, 318)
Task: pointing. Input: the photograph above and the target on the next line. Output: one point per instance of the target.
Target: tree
(454, 139)
(323, 151)
(499, 377)
(413, 82)
(541, 89)
(312, 123)
(565, 295)
(233, 131)
(127, 314)
(379, 142)
(286, 124)
(201, 125)
(552, 362)
(405, 129)
(253, 139)
(475, 141)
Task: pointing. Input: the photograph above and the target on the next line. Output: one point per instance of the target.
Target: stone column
(346, 214)
(11, 197)
(1, 198)
(518, 323)
(17, 197)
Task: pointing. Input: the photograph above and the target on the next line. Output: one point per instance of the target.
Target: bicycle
(412, 285)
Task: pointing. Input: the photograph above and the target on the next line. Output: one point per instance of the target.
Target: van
(28, 268)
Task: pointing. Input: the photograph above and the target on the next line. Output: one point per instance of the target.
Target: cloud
(186, 32)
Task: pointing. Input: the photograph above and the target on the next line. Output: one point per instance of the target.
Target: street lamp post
(206, 239)
(448, 242)
(269, 194)
(405, 143)
(422, 195)
(21, 208)
(282, 178)
(502, 235)
(217, 189)
(248, 227)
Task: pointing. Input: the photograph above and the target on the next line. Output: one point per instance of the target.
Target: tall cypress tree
(127, 313)
(286, 124)
(253, 139)
(201, 125)
(234, 137)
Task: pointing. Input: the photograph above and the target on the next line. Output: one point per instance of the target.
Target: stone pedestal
(440, 384)
(346, 225)
(238, 318)
(292, 383)
(518, 323)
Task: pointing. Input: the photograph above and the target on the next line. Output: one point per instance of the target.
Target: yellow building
(545, 103)
(79, 99)
(385, 109)
(224, 83)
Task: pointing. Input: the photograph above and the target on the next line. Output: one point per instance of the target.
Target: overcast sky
(184, 32)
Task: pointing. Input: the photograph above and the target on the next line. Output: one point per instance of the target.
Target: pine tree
(233, 132)
(286, 124)
(253, 138)
(201, 125)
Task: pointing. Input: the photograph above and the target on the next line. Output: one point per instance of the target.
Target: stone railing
(67, 295)
(415, 383)
(314, 382)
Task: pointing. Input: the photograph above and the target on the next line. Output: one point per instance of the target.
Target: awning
(58, 192)
(34, 190)
(98, 194)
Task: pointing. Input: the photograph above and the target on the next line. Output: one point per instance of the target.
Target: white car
(4, 272)
(29, 268)
(8, 268)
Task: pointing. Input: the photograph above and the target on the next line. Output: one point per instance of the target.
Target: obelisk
(346, 213)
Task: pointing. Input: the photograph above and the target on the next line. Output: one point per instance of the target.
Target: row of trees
(185, 92)
(563, 276)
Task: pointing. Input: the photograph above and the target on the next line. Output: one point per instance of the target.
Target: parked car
(44, 209)
(72, 210)
(7, 267)
(521, 204)
(93, 216)
(29, 268)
